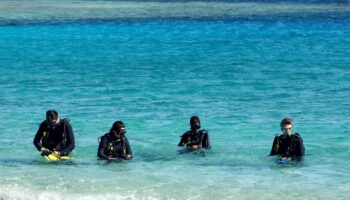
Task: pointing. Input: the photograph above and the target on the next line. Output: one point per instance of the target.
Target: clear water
(241, 72)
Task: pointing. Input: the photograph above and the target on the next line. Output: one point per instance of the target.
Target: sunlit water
(240, 66)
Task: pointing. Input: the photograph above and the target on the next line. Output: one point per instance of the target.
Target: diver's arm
(273, 151)
(38, 136)
(183, 139)
(70, 140)
(300, 149)
(128, 151)
(206, 141)
(101, 148)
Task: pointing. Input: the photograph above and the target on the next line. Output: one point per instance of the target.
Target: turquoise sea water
(241, 67)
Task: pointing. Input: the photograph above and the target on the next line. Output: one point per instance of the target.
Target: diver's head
(195, 123)
(118, 129)
(52, 119)
(287, 126)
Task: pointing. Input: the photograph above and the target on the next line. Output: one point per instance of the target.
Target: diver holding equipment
(287, 145)
(54, 136)
(115, 145)
(195, 138)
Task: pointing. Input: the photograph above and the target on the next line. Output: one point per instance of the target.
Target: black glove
(45, 152)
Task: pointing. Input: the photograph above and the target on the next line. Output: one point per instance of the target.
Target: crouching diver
(54, 136)
(289, 146)
(195, 138)
(115, 144)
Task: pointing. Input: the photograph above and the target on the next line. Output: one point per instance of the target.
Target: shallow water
(241, 72)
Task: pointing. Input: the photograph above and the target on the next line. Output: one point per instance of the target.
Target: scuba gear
(45, 152)
(118, 129)
(52, 124)
(56, 157)
(51, 157)
(122, 132)
(288, 146)
(286, 129)
(195, 140)
(112, 146)
(52, 119)
(60, 138)
(195, 126)
(283, 162)
(277, 146)
(119, 134)
(118, 125)
(194, 119)
(195, 123)
(64, 134)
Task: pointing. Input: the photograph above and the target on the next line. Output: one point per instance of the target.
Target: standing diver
(54, 136)
(288, 145)
(115, 144)
(195, 138)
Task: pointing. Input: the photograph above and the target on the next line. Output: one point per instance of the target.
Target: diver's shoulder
(43, 123)
(104, 136)
(297, 135)
(187, 133)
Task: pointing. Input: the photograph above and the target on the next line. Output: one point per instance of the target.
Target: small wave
(7, 193)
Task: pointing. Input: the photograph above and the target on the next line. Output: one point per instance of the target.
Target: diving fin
(55, 157)
(52, 157)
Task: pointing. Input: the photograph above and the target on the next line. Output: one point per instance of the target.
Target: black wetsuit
(112, 147)
(191, 138)
(59, 139)
(286, 146)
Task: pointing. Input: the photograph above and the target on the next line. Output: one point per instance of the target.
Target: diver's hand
(45, 152)
(194, 147)
(127, 157)
(285, 158)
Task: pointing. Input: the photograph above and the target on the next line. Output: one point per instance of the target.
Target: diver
(115, 145)
(55, 135)
(195, 138)
(289, 146)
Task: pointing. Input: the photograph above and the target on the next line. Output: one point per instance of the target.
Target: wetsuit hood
(195, 123)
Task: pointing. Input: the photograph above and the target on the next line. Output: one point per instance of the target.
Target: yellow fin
(52, 157)
(66, 158)
(55, 157)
